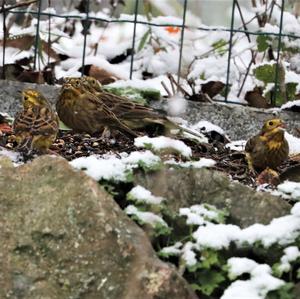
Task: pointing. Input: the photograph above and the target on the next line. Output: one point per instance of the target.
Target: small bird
(36, 126)
(134, 116)
(269, 148)
(82, 111)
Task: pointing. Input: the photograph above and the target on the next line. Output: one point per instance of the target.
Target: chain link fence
(86, 16)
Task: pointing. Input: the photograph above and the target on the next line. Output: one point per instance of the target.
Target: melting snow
(203, 162)
(163, 143)
(142, 195)
(288, 190)
(145, 217)
(260, 283)
(110, 167)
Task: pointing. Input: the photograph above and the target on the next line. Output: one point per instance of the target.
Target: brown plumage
(82, 111)
(36, 126)
(269, 148)
(133, 115)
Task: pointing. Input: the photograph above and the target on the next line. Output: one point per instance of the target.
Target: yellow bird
(82, 111)
(132, 115)
(268, 149)
(36, 126)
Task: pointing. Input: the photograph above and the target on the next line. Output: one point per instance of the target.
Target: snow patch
(142, 195)
(110, 167)
(163, 143)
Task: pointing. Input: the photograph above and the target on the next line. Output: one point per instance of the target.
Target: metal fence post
(229, 51)
(181, 40)
(273, 99)
(85, 27)
(37, 34)
(133, 38)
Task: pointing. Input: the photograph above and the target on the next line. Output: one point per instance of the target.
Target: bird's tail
(126, 130)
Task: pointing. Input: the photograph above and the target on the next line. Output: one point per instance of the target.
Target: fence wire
(86, 18)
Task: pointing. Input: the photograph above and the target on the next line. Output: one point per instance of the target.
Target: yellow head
(33, 98)
(272, 126)
(92, 84)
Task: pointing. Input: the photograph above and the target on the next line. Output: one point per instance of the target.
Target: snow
(15, 157)
(145, 217)
(260, 283)
(238, 145)
(289, 189)
(163, 143)
(110, 167)
(188, 255)
(172, 250)
(294, 143)
(283, 230)
(199, 214)
(203, 162)
(290, 104)
(291, 254)
(176, 105)
(142, 195)
(216, 236)
(206, 126)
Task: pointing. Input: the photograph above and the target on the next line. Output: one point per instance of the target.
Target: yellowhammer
(269, 148)
(82, 111)
(130, 114)
(36, 126)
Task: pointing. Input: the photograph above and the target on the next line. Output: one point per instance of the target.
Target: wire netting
(45, 12)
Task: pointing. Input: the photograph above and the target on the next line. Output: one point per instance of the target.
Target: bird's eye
(271, 123)
(26, 98)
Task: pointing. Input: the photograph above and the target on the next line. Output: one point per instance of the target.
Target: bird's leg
(250, 165)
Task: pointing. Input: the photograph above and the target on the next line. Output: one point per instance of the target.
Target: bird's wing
(124, 108)
(250, 144)
(99, 111)
(40, 121)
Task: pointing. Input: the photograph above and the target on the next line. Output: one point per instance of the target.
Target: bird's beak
(282, 125)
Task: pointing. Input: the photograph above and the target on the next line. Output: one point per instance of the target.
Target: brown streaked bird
(268, 149)
(36, 126)
(134, 116)
(82, 111)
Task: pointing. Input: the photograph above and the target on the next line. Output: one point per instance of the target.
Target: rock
(62, 236)
(238, 121)
(183, 187)
(10, 94)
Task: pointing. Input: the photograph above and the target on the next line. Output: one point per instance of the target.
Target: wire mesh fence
(45, 13)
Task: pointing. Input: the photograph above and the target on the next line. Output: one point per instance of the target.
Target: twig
(243, 21)
(4, 9)
(247, 73)
(170, 77)
(166, 88)
(179, 88)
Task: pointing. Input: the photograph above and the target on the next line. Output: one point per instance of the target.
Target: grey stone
(187, 186)
(238, 122)
(62, 236)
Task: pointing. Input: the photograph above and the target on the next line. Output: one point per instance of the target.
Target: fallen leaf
(102, 75)
(212, 88)
(255, 99)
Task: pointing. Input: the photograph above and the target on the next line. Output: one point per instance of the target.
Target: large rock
(239, 122)
(62, 236)
(185, 187)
